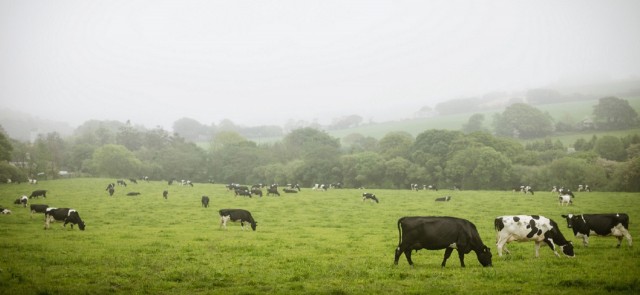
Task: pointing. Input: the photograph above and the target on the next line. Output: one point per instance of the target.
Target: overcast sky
(262, 62)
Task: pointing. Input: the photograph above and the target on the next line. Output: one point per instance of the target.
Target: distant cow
(273, 191)
(133, 194)
(111, 191)
(369, 196)
(22, 201)
(243, 192)
(564, 199)
(38, 193)
(67, 215)
(165, 194)
(237, 215)
(584, 225)
(290, 190)
(443, 199)
(431, 187)
(38, 208)
(535, 228)
(133, 180)
(435, 233)
(205, 201)
(256, 191)
(121, 182)
(5, 211)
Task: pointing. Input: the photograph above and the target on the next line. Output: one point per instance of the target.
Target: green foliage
(614, 113)
(8, 171)
(476, 168)
(175, 246)
(395, 144)
(474, 124)
(521, 120)
(611, 148)
(5, 147)
(115, 161)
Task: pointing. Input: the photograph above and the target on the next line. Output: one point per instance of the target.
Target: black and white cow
(38, 208)
(5, 211)
(256, 192)
(22, 201)
(565, 200)
(273, 191)
(205, 201)
(237, 215)
(111, 190)
(121, 182)
(369, 196)
(290, 190)
(535, 228)
(436, 233)
(243, 192)
(165, 194)
(67, 215)
(444, 199)
(133, 180)
(431, 187)
(584, 225)
(38, 193)
(133, 194)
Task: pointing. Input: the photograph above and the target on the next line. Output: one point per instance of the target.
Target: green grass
(312, 242)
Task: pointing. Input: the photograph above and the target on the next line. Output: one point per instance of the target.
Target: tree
(5, 147)
(191, 129)
(474, 124)
(115, 161)
(521, 120)
(477, 168)
(610, 148)
(614, 113)
(395, 144)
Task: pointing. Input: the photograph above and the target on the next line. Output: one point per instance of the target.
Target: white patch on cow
(6, 211)
(71, 210)
(454, 246)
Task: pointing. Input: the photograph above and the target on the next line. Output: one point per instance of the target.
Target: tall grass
(311, 242)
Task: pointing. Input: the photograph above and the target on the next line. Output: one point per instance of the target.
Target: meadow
(312, 242)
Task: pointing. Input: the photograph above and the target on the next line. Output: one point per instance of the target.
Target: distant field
(311, 242)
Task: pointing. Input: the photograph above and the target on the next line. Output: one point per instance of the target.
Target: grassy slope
(311, 242)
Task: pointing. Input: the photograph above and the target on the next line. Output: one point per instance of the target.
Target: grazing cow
(256, 191)
(414, 187)
(431, 187)
(121, 182)
(186, 182)
(566, 191)
(133, 194)
(205, 201)
(535, 228)
(165, 194)
(5, 211)
(111, 191)
(133, 180)
(333, 185)
(243, 192)
(67, 215)
(584, 225)
(237, 215)
(38, 208)
(22, 201)
(290, 190)
(565, 199)
(369, 196)
(443, 199)
(33, 181)
(320, 186)
(38, 193)
(273, 191)
(436, 233)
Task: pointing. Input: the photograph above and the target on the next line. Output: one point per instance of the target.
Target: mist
(267, 62)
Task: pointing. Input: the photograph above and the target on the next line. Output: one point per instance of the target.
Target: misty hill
(25, 127)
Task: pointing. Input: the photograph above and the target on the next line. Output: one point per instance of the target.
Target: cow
(535, 228)
(22, 201)
(133, 180)
(205, 201)
(111, 191)
(256, 191)
(584, 225)
(443, 199)
(369, 196)
(133, 194)
(67, 215)
(431, 187)
(121, 182)
(237, 215)
(38, 208)
(436, 233)
(186, 182)
(33, 181)
(565, 199)
(414, 187)
(566, 191)
(319, 186)
(38, 193)
(243, 192)
(290, 190)
(165, 194)
(5, 211)
(273, 191)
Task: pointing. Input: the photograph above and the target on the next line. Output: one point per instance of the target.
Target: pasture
(311, 242)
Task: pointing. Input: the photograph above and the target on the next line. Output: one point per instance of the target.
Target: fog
(265, 62)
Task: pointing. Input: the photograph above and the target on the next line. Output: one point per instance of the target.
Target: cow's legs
(537, 248)
(223, 222)
(447, 253)
(461, 256)
(626, 234)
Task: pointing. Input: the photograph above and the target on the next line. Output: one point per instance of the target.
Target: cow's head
(484, 256)
(569, 218)
(567, 249)
(81, 225)
(254, 225)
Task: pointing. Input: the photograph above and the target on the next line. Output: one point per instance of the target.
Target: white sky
(263, 62)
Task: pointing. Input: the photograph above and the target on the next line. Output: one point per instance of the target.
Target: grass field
(311, 242)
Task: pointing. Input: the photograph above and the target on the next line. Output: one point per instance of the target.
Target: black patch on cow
(534, 229)
(536, 217)
(516, 218)
(539, 231)
(499, 225)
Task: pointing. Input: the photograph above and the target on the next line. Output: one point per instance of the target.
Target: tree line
(469, 159)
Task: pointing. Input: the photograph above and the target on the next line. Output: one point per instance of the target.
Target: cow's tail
(400, 231)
